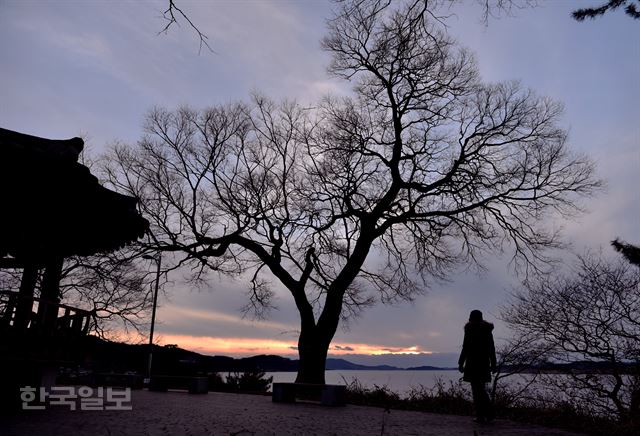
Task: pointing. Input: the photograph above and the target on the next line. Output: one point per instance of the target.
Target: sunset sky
(94, 68)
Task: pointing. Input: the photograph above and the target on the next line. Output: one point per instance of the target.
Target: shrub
(378, 396)
(251, 381)
(216, 382)
(451, 398)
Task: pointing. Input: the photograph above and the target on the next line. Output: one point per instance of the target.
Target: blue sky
(93, 68)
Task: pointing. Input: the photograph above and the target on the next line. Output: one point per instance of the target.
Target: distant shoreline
(118, 357)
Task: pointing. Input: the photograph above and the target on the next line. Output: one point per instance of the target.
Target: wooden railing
(40, 316)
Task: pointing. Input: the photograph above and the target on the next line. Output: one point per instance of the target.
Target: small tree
(248, 381)
(365, 198)
(591, 314)
(114, 287)
(522, 354)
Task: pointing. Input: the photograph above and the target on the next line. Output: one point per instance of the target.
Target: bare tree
(364, 198)
(115, 288)
(591, 314)
(521, 355)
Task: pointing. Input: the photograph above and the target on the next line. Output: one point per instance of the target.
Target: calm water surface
(397, 381)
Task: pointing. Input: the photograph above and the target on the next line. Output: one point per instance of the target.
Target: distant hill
(107, 356)
(429, 368)
(334, 364)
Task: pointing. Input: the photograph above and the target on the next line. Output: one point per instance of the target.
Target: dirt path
(178, 413)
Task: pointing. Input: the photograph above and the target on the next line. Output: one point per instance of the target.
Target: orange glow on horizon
(253, 346)
(284, 343)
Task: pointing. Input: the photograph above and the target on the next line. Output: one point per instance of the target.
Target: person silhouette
(477, 361)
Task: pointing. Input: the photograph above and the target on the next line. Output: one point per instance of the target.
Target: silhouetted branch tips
(498, 8)
(170, 16)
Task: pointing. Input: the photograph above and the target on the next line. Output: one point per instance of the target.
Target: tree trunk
(313, 347)
(315, 339)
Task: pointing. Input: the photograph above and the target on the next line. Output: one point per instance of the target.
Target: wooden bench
(329, 395)
(195, 385)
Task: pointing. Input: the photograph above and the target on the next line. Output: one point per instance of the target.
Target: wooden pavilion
(52, 208)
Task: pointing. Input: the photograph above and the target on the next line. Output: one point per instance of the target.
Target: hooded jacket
(478, 354)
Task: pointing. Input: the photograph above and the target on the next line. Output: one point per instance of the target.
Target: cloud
(229, 346)
(248, 346)
(400, 350)
(180, 313)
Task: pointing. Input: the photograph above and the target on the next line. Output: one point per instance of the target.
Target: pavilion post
(50, 294)
(24, 305)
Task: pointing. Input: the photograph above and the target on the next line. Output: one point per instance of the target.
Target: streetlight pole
(158, 259)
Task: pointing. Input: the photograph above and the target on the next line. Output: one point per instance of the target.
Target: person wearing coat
(477, 362)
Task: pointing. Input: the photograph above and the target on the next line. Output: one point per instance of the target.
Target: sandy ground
(179, 413)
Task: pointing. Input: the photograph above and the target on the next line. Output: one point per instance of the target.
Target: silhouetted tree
(492, 8)
(423, 167)
(590, 314)
(116, 288)
(521, 354)
(630, 252)
(631, 8)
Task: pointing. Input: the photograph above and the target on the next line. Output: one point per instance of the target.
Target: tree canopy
(362, 198)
